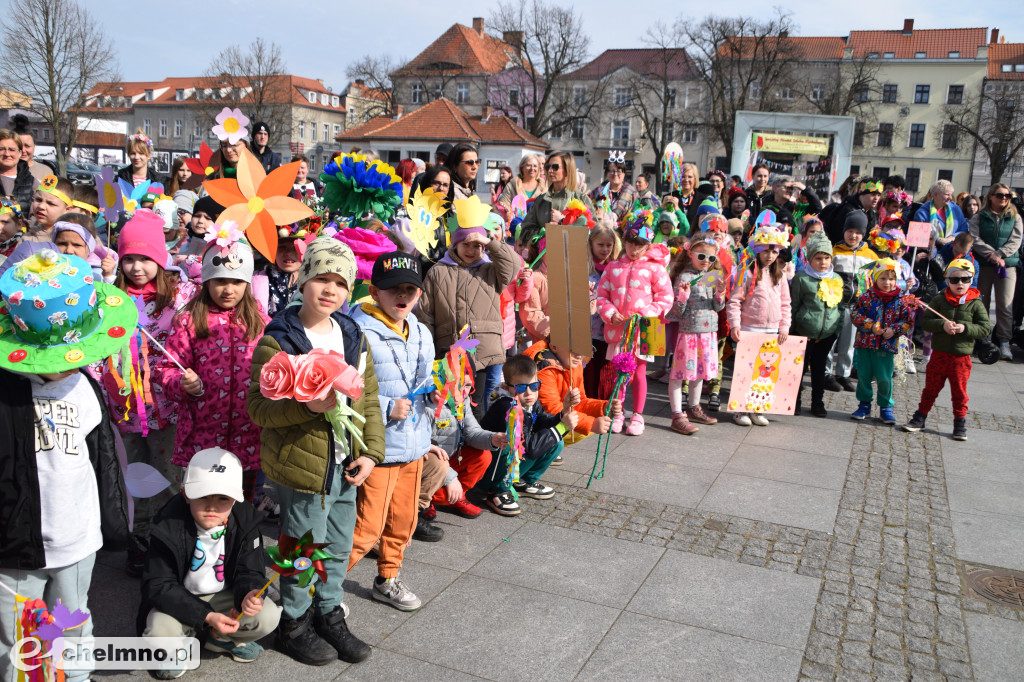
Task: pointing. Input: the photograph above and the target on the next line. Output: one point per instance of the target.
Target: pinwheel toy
(35, 621)
(298, 557)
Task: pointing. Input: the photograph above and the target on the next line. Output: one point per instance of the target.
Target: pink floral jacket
(634, 287)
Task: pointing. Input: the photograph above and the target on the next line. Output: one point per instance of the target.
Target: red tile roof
(1005, 53)
(644, 61)
(441, 120)
(462, 49)
(795, 47)
(936, 43)
(355, 89)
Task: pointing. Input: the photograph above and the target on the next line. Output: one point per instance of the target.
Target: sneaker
(557, 461)
(243, 653)
(741, 418)
(924, 363)
(336, 635)
(916, 422)
(714, 402)
(504, 504)
(168, 674)
(271, 510)
(911, 368)
(697, 415)
(818, 410)
(463, 508)
(959, 428)
(863, 411)
(617, 423)
(680, 424)
(885, 414)
(636, 426)
(427, 531)
(298, 638)
(759, 420)
(393, 591)
(537, 490)
(1004, 352)
(847, 383)
(831, 384)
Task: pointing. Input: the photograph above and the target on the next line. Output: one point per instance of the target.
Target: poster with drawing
(766, 376)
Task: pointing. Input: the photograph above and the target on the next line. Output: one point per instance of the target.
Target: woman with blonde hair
(560, 169)
(997, 231)
(528, 182)
(945, 217)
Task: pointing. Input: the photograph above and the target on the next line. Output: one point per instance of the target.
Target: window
(622, 97)
(149, 95)
(337, 129)
(326, 159)
(917, 135)
(889, 93)
(335, 101)
(579, 95)
(179, 125)
(881, 172)
(200, 94)
(692, 96)
(945, 174)
(913, 178)
(576, 130)
(670, 97)
(690, 135)
(179, 94)
(670, 131)
(324, 99)
(872, 55)
(198, 130)
(1007, 68)
(858, 134)
(530, 120)
(922, 93)
(462, 92)
(327, 132)
(417, 93)
(302, 129)
(46, 133)
(954, 55)
(755, 90)
(620, 130)
(312, 131)
(556, 131)
(950, 137)
(146, 127)
(884, 135)
(513, 97)
(817, 92)
(862, 94)
(786, 94)
(312, 163)
(888, 55)
(955, 95)
(312, 98)
(163, 127)
(920, 55)
(854, 169)
(514, 118)
(439, 91)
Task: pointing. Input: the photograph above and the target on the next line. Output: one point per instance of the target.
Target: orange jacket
(555, 382)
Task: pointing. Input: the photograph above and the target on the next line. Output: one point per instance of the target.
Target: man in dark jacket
(792, 197)
(866, 199)
(261, 147)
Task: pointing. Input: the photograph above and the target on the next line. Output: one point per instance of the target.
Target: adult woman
(28, 151)
(968, 203)
(645, 197)
(304, 186)
(179, 176)
(760, 192)
(462, 164)
(689, 197)
(997, 238)
(737, 203)
(561, 175)
(228, 155)
(619, 194)
(718, 182)
(139, 149)
(504, 176)
(406, 170)
(15, 177)
(528, 183)
(945, 217)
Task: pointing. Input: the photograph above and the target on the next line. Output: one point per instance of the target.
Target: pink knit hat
(143, 235)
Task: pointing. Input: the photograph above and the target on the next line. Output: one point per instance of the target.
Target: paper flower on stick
(224, 235)
(355, 186)
(577, 213)
(132, 196)
(231, 125)
(424, 211)
(111, 198)
(204, 164)
(301, 557)
(258, 202)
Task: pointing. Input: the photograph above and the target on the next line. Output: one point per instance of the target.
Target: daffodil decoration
(830, 290)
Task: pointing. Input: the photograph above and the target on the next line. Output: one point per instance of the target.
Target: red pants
(470, 465)
(943, 366)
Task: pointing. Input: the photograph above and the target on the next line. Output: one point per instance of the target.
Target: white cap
(213, 471)
(168, 211)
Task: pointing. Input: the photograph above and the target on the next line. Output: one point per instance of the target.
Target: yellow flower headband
(884, 265)
(49, 185)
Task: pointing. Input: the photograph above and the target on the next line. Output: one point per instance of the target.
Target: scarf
(954, 301)
(937, 221)
(147, 291)
(886, 296)
(814, 273)
(600, 267)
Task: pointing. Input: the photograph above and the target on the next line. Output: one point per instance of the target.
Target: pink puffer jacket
(762, 304)
(517, 291)
(634, 287)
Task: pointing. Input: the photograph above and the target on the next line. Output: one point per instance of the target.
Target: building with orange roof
(1001, 121)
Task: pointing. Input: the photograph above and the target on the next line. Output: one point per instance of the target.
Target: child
(635, 284)
(700, 287)
(928, 271)
(952, 345)
(542, 437)
(962, 246)
(205, 565)
(143, 274)
(812, 226)
(668, 224)
(12, 226)
(888, 241)
(317, 470)
(52, 200)
(64, 497)
(816, 292)
(718, 229)
(283, 272)
(603, 247)
(85, 200)
(881, 316)
(403, 362)
(848, 258)
(534, 310)
(759, 302)
(561, 374)
(213, 338)
(204, 215)
(516, 294)
(73, 233)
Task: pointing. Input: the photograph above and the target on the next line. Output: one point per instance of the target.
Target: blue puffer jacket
(408, 439)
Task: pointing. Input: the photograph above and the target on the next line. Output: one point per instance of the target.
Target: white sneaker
(741, 418)
(1004, 351)
(911, 368)
(393, 591)
(759, 420)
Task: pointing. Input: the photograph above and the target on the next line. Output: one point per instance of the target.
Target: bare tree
(375, 73)
(994, 121)
(254, 80)
(55, 53)
(745, 63)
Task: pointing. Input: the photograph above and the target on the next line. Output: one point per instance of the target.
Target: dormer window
(312, 98)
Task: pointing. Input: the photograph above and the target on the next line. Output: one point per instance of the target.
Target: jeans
(488, 378)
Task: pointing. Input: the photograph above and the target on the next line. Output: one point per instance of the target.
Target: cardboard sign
(766, 375)
(568, 288)
(919, 234)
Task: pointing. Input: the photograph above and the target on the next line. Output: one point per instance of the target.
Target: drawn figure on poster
(761, 393)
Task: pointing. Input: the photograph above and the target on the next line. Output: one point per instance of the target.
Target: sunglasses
(1001, 195)
(552, 166)
(959, 280)
(474, 162)
(522, 388)
(701, 257)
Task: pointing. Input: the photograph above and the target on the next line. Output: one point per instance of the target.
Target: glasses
(701, 257)
(441, 185)
(553, 167)
(959, 280)
(616, 172)
(473, 162)
(1001, 195)
(522, 388)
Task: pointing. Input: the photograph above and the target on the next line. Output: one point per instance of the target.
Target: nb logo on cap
(218, 469)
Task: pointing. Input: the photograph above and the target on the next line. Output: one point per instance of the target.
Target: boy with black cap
(848, 257)
(403, 353)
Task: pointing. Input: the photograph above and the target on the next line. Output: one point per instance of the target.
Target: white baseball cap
(213, 471)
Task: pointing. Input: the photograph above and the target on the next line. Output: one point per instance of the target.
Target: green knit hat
(818, 243)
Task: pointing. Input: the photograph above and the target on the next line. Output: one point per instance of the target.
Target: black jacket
(21, 533)
(268, 158)
(756, 202)
(837, 218)
(540, 434)
(172, 542)
(126, 175)
(24, 187)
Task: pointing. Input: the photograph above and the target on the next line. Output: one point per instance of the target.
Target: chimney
(513, 39)
(995, 36)
(784, 34)
(908, 27)
(486, 112)
(397, 114)
(478, 25)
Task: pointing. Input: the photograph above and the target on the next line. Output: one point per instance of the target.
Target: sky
(182, 38)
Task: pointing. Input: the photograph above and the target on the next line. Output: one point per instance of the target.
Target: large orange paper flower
(258, 202)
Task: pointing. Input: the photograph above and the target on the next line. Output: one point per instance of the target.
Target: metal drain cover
(997, 585)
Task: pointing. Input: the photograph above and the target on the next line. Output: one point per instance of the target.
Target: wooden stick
(161, 348)
(262, 590)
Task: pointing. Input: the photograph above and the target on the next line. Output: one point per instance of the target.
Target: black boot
(335, 632)
(427, 531)
(959, 428)
(916, 422)
(818, 409)
(296, 638)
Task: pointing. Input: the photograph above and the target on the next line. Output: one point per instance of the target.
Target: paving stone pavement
(864, 584)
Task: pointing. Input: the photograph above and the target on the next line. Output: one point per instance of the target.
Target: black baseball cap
(444, 148)
(394, 268)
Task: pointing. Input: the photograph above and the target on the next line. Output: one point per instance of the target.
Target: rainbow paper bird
(301, 557)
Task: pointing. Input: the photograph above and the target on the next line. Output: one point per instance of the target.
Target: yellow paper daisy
(830, 291)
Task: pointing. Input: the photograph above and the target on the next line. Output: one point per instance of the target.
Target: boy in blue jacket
(403, 352)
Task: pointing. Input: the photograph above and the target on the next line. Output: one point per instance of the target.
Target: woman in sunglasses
(560, 171)
(462, 164)
(997, 238)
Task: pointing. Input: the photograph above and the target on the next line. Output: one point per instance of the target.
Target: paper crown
(8, 205)
(767, 235)
(713, 222)
(870, 187)
(884, 265)
(56, 318)
(49, 185)
(960, 264)
(639, 223)
(470, 212)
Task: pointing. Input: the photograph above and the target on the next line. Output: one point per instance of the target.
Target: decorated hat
(470, 216)
(55, 317)
(887, 238)
(638, 224)
(767, 235)
(713, 222)
(885, 265)
(356, 186)
(228, 255)
(960, 264)
(167, 210)
(870, 187)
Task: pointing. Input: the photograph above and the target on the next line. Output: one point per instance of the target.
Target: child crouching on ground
(952, 345)
(542, 437)
(205, 564)
(561, 374)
